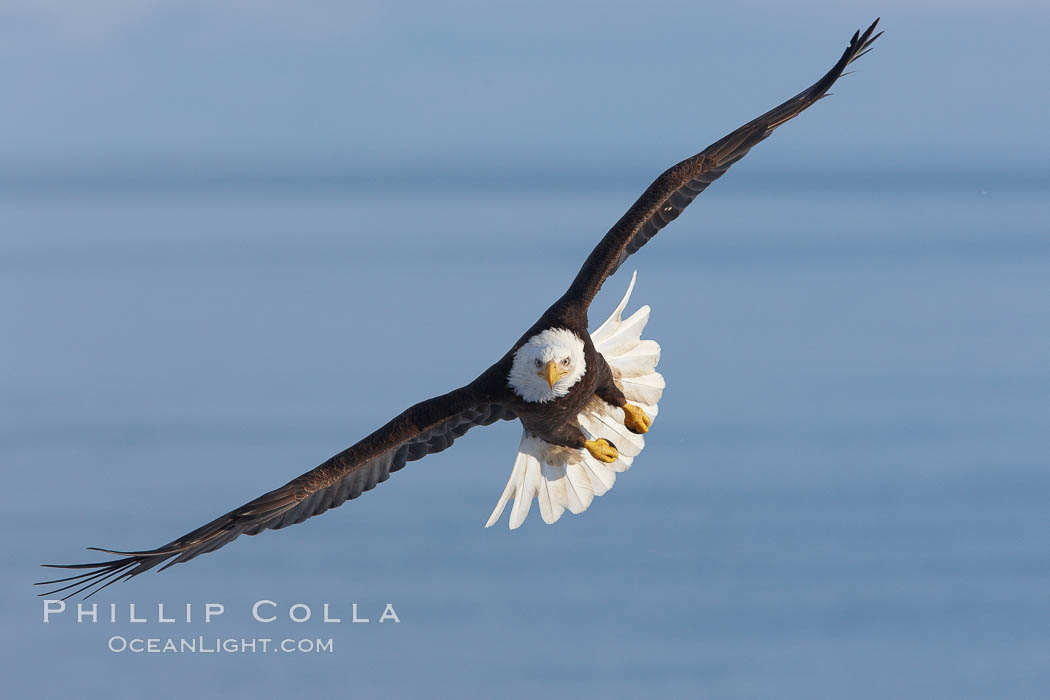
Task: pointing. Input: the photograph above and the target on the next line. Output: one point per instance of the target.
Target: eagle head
(547, 365)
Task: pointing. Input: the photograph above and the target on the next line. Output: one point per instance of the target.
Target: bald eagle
(584, 399)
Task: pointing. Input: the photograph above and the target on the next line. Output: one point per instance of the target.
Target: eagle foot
(635, 419)
(602, 450)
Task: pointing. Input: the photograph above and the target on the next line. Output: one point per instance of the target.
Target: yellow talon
(602, 450)
(635, 419)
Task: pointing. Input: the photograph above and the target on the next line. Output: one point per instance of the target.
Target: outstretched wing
(427, 427)
(678, 186)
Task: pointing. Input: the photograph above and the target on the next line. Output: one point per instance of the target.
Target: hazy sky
(493, 86)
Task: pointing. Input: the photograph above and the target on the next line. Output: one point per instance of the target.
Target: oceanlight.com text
(218, 645)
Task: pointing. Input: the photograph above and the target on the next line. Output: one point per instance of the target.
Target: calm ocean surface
(845, 494)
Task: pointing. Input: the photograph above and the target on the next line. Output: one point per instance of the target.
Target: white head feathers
(558, 345)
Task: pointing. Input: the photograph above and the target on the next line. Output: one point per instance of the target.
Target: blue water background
(845, 493)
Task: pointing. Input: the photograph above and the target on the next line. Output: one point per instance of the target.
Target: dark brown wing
(676, 188)
(427, 427)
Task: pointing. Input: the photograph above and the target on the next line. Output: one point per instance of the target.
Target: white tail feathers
(561, 479)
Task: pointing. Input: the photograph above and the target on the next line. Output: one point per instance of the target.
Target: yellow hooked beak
(552, 373)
